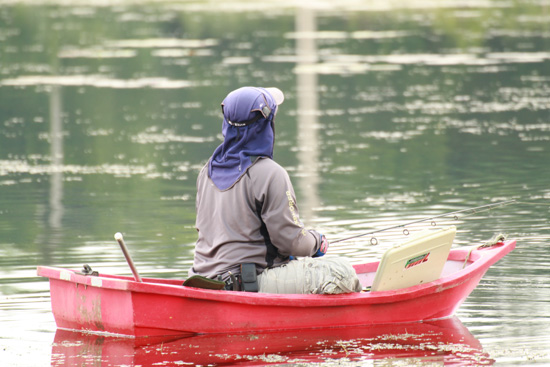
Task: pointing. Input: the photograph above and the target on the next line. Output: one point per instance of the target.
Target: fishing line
(454, 215)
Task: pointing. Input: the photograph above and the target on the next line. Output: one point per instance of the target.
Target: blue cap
(246, 105)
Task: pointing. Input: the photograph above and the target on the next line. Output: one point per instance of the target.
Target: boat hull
(119, 305)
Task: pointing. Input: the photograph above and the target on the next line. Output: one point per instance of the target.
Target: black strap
(271, 251)
(247, 122)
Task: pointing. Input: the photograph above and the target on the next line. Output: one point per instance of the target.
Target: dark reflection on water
(445, 342)
(393, 113)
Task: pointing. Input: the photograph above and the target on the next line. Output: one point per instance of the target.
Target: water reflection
(439, 342)
(308, 109)
(56, 154)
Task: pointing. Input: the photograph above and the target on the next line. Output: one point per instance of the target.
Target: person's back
(231, 225)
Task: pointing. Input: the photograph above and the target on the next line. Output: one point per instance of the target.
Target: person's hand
(323, 248)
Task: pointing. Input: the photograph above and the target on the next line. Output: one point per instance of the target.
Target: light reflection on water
(393, 113)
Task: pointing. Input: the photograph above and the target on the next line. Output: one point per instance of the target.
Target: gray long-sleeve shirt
(254, 221)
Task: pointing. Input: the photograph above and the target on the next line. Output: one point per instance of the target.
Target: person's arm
(280, 214)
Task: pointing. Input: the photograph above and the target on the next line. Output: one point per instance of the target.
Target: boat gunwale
(480, 259)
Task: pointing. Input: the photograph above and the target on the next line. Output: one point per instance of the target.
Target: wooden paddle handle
(120, 240)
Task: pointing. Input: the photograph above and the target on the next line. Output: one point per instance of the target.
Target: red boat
(102, 303)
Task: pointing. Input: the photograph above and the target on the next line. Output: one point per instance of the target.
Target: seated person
(247, 212)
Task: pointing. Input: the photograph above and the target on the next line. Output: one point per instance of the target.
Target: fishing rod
(475, 210)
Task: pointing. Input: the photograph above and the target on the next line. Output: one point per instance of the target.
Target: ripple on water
(8, 167)
(154, 136)
(97, 81)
